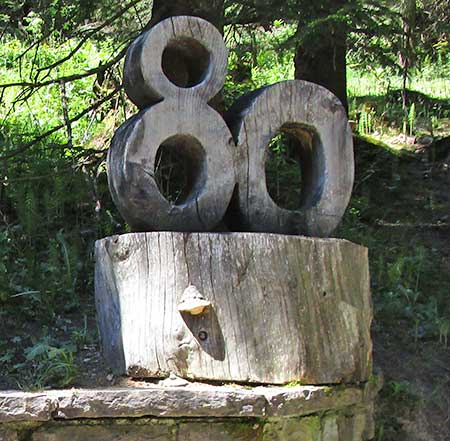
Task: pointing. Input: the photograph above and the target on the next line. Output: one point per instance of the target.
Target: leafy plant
(365, 123)
(283, 171)
(52, 365)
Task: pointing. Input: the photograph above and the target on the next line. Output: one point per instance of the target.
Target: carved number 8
(226, 160)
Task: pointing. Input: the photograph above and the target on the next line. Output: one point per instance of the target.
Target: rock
(220, 431)
(190, 401)
(8, 435)
(22, 406)
(195, 412)
(156, 431)
(424, 140)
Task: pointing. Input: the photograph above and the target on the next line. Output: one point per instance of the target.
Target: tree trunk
(282, 308)
(408, 10)
(321, 58)
(210, 10)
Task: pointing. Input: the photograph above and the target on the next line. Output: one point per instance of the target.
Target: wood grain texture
(171, 71)
(316, 118)
(192, 41)
(283, 308)
(176, 113)
(132, 164)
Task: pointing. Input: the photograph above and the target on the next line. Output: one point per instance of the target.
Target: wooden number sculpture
(179, 117)
(171, 72)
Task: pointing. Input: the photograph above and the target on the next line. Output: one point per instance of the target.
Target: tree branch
(89, 35)
(44, 135)
(68, 78)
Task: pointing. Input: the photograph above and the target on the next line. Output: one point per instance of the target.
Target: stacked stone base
(196, 412)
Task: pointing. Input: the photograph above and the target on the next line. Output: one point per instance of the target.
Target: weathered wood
(192, 44)
(175, 68)
(132, 167)
(282, 308)
(183, 122)
(316, 118)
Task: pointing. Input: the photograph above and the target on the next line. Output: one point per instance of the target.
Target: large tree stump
(282, 308)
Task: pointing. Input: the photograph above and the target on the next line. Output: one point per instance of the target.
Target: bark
(210, 10)
(325, 65)
(408, 9)
(321, 58)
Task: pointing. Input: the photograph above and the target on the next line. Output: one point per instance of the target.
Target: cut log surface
(283, 308)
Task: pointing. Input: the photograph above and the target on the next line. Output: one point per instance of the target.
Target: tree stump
(281, 308)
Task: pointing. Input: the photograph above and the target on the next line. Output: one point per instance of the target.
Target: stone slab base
(328, 427)
(196, 412)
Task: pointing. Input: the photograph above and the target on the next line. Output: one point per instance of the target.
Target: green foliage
(53, 365)
(365, 123)
(258, 58)
(408, 286)
(54, 201)
(283, 171)
(51, 227)
(396, 397)
(54, 204)
(64, 18)
(412, 118)
(24, 116)
(46, 362)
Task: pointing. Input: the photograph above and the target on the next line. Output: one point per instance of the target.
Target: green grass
(378, 82)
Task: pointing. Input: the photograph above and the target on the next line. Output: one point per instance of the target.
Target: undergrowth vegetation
(54, 201)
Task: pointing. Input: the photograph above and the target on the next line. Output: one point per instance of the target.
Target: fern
(31, 220)
(365, 124)
(65, 253)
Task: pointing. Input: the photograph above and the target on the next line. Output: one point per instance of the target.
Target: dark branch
(69, 78)
(88, 36)
(44, 135)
